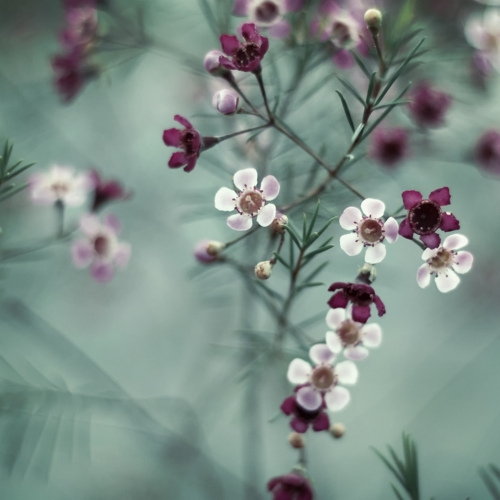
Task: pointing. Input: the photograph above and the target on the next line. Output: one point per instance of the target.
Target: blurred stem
(234, 134)
(59, 206)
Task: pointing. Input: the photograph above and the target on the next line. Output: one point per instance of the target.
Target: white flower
(367, 230)
(322, 380)
(483, 33)
(344, 30)
(249, 201)
(444, 262)
(265, 13)
(350, 335)
(59, 184)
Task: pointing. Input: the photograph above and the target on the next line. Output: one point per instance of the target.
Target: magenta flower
(246, 55)
(389, 146)
(361, 297)
(487, 151)
(249, 201)
(303, 418)
(320, 383)
(425, 217)
(290, 487)
(444, 262)
(101, 249)
(189, 140)
(428, 105)
(81, 26)
(106, 191)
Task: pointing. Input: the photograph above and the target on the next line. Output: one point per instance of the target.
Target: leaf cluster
(8, 172)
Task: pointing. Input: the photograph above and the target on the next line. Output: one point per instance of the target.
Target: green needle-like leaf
(346, 110)
(352, 90)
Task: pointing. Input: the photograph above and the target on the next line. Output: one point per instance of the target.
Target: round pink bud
(263, 270)
(226, 101)
(212, 64)
(207, 251)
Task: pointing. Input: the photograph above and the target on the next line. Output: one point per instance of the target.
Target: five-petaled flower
(249, 201)
(101, 250)
(428, 105)
(361, 297)
(351, 336)
(320, 383)
(367, 230)
(290, 487)
(444, 262)
(246, 55)
(389, 146)
(425, 217)
(303, 418)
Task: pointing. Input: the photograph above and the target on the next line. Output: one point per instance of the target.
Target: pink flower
(81, 26)
(444, 262)
(106, 191)
(246, 55)
(59, 185)
(290, 487)
(249, 201)
(189, 140)
(367, 230)
(320, 382)
(389, 146)
(428, 105)
(101, 250)
(487, 151)
(425, 217)
(303, 418)
(483, 33)
(265, 13)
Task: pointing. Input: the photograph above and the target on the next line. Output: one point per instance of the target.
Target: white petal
(337, 398)
(90, 225)
(333, 342)
(429, 253)
(455, 241)
(475, 33)
(424, 276)
(320, 353)
(347, 372)
(349, 216)
(74, 198)
(373, 208)
(351, 244)
(463, 262)
(266, 215)
(447, 281)
(270, 187)
(375, 254)
(371, 335)
(239, 222)
(113, 223)
(122, 254)
(308, 398)
(335, 317)
(356, 353)
(225, 199)
(391, 227)
(245, 178)
(298, 371)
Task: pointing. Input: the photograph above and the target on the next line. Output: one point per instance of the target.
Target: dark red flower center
(348, 332)
(247, 54)
(250, 202)
(341, 33)
(425, 217)
(267, 12)
(361, 295)
(101, 245)
(323, 377)
(190, 142)
(371, 230)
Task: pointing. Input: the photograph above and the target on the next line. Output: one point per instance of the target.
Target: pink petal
(102, 272)
(122, 254)
(225, 199)
(183, 121)
(356, 353)
(337, 399)
(298, 371)
(113, 223)
(371, 335)
(411, 198)
(246, 178)
(449, 222)
(320, 353)
(347, 372)
(335, 317)
(424, 276)
(266, 215)
(455, 241)
(391, 229)
(249, 33)
(239, 222)
(190, 164)
(343, 59)
(447, 281)
(264, 46)
(294, 5)
(172, 137)
(361, 313)
(333, 342)
(90, 225)
(350, 216)
(373, 208)
(375, 254)
(177, 160)
(270, 187)
(351, 244)
(279, 30)
(309, 399)
(82, 252)
(240, 7)
(463, 262)
(230, 44)
(441, 196)
(321, 423)
(405, 229)
(431, 240)
(227, 63)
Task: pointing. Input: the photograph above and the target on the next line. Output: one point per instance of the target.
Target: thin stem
(242, 237)
(278, 250)
(234, 134)
(230, 79)
(381, 60)
(59, 206)
(258, 75)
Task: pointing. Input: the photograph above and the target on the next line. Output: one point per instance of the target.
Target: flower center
(190, 142)
(323, 377)
(266, 12)
(371, 230)
(251, 201)
(341, 34)
(425, 217)
(358, 294)
(246, 54)
(101, 245)
(349, 332)
(442, 259)
(60, 189)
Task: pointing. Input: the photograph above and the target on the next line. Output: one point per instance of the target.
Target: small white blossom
(483, 33)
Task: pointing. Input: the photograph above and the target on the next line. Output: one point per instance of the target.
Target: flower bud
(373, 20)
(212, 64)
(263, 270)
(279, 223)
(207, 251)
(226, 102)
(214, 248)
(296, 440)
(367, 274)
(337, 430)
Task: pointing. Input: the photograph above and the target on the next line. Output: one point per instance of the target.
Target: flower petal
(463, 262)
(455, 241)
(338, 300)
(82, 252)
(309, 399)
(122, 254)
(266, 215)
(270, 187)
(298, 425)
(320, 423)
(288, 405)
(335, 317)
(373, 208)
(371, 335)
(375, 254)
(320, 353)
(447, 281)
(245, 178)
(337, 398)
(441, 196)
(405, 229)
(225, 199)
(172, 137)
(239, 222)
(113, 223)
(429, 253)
(411, 198)
(347, 372)
(333, 340)
(298, 371)
(391, 227)
(356, 353)
(177, 160)
(431, 240)
(449, 222)
(351, 244)
(102, 272)
(361, 313)
(424, 276)
(183, 121)
(90, 225)
(349, 217)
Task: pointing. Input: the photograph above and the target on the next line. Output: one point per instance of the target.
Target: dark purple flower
(389, 146)
(303, 418)
(106, 191)
(189, 140)
(425, 217)
(428, 105)
(361, 296)
(246, 55)
(290, 487)
(487, 151)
